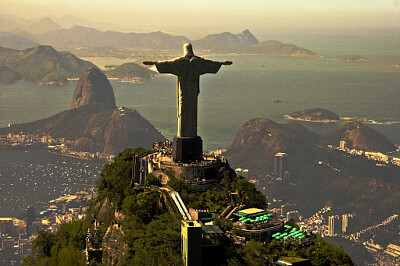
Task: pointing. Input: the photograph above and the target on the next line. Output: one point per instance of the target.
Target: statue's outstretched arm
(168, 66)
(226, 63)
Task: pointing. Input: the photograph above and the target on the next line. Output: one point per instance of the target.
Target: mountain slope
(227, 41)
(95, 128)
(42, 26)
(361, 137)
(244, 42)
(349, 184)
(259, 139)
(84, 36)
(129, 72)
(94, 124)
(35, 63)
(11, 41)
(277, 48)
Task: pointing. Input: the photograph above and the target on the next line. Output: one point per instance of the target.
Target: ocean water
(238, 93)
(242, 91)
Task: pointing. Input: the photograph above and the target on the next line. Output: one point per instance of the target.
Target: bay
(240, 92)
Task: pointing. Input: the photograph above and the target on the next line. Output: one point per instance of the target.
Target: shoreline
(325, 121)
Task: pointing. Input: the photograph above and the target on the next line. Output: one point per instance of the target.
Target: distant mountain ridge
(14, 23)
(12, 41)
(227, 41)
(36, 63)
(84, 36)
(48, 32)
(42, 26)
(277, 48)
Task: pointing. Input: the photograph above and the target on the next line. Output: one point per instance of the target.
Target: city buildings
(334, 225)
(348, 223)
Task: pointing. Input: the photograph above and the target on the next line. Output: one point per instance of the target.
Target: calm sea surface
(241, 92)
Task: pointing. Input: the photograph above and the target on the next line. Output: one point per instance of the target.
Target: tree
(116, 178)
(178, 184)
(152, 180)
(144, 205)
(29, 261)
(249, 195)
(43, 244)
(69, 256)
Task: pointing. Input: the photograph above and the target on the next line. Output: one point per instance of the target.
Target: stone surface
(188, 68)
(93, 87)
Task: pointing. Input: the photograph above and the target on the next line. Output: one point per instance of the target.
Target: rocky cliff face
(93, 88)
(113, 245)
(361, 137)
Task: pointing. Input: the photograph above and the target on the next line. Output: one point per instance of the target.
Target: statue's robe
(188, 70)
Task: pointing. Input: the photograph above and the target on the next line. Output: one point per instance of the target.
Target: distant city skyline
(208, 16)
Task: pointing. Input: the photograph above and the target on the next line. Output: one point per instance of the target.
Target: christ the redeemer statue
(188, 69)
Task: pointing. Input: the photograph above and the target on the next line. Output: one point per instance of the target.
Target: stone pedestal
(187, 149)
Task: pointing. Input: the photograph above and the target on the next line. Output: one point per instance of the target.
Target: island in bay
(354, 58)
(315, 115)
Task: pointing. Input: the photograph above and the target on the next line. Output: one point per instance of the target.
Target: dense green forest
(150, 235)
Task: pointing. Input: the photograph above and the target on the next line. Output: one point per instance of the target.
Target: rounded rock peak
(93, 87)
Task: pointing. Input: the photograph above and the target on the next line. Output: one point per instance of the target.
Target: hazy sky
(230, 15)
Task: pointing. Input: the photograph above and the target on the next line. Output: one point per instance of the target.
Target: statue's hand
(149, 63)
(226, 63)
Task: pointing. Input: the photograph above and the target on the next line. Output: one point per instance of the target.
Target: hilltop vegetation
(144, 233)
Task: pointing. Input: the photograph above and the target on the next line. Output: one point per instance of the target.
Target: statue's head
(187, 49)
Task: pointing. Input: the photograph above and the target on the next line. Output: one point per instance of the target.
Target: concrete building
(348, 223)
(334, 225)
(280, 164)
(191, 242)
(342, 145)
(256, 224)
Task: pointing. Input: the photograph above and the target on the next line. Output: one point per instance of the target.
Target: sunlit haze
(203, 17)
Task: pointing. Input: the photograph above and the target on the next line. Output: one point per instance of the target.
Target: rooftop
(250, 211)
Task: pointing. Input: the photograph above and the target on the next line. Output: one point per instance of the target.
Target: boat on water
(277, 101)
